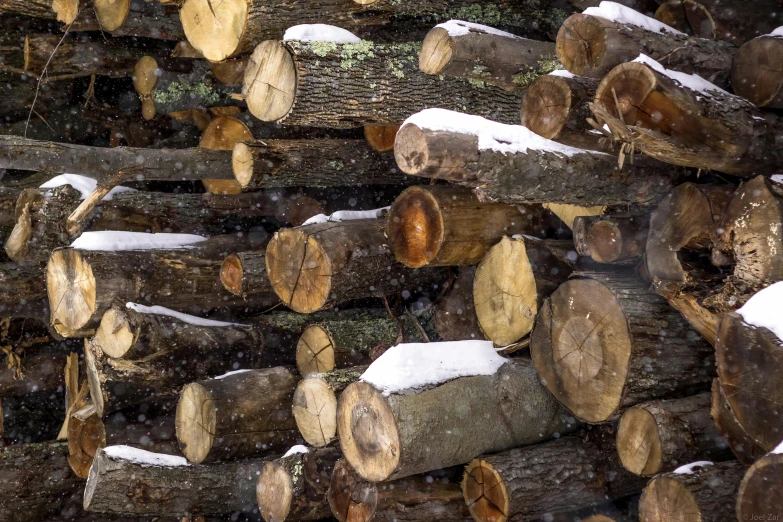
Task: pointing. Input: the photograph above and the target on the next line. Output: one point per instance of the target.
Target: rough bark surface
(143, 19)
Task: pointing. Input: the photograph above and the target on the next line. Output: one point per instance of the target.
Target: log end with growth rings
(242, 164)
(270, 81)
(114, 335)
(195, 422)
(315, 351)
(71, 287)
(688, 16)
(606, 241)
(666, 499)
(381, 137)
(485, 492)
(214, 29)
(369, 436)
(546, 105)
(145, 78)
(415, 227)
(232, 274)
(351, 498)
(436, 51)
(581, 45)
(755, 500)
(315, 411)
(625, 89)
(274, 492)
(410, 150)
(755, 72)
(85, 438)
(111, 14)
(639, 443)
(223, 133)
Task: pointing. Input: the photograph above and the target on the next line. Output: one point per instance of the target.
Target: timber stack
(434, 261)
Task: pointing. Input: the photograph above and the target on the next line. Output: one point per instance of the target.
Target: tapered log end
(381, 137)
(755, 72)
(195, 422)
(624, 90)
(85, 438)
(351, 498)
(270, 81)
(546, 105)
(410, 150)
(485, 492)
(232, 274)
(145, 76)
(581, 45)
(114, 335)
(754, 499)
(71, 287)
(16, 246)
(415, 227)
(436, 51)
(274, 492)
(299, 270)
(666, 499)
(315, 411)
(504, 292)
(111, 14)
(605, 242)
(568, 213)
(242, 164)
(368, 432)
(689, 17)
(638, 442)
(214, 29)
(315, 351)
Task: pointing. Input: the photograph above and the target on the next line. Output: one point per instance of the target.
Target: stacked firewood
(436, 260)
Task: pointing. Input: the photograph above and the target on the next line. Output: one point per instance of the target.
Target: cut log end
(581, 44)
(299, 270)
(415, 227)
(485, 492)
(315, 411)
(111, 14)
(315, 351)
(410, 150)
(546, 105)
(369, 436)
(606, 242)
(351, 498)
(638, 442)
(270, 81)
(274, 492)
(232, 274)
(381, 137)
(665, 500)
(214, 29)
(242, 164)
(754, 501)
(66, 10)
(754, 75)
(689, 17)
(71, 287)
(114, 335)
(436, 51)
(144, 77)
(85, 438)
(195, 422)
(224, 133)
(625, 88)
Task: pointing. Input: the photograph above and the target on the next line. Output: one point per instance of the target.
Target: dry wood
(353, 84)
(611, 239)
(138, 18)
(603, 342)
(64, 11)
(742, 445)
(381, 137)
(455, 314)
(247, 413)
(389, 437)
(755, 500)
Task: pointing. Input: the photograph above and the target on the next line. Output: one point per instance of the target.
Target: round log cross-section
(223, 133)
(758, 496)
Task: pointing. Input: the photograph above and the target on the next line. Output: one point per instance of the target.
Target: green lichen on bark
(176, 92)
(545, 66)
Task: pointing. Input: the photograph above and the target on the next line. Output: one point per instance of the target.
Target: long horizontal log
(137, 18)
(351, 84)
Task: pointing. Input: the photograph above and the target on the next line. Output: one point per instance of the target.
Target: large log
(754, 501)
(484, 54)
(530, 170)
(611, 239)
(753, 75)
(351, 84)
(593, 45)
(659, 436)
(702, 491)
(137, 18)
(603, 342)
(546, 479)
(315, 266)
(294, 487)
(388, 437)
(241, 414)
(133, 481)
(742, 445)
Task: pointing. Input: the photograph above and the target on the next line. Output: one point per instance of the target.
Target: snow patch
(778, 449)
(777, 178)
(83, 184)
(185, 318)
(763, 309)
(346, 215)
(229, 374)
(777, 32)
(411, 366)
(112, 240)
(625, 15)
(561, 72)
(514, 139)
(296, 450)
(320, 33)
(691, 81)
(461, 28)
(143, 457)
(691, 468)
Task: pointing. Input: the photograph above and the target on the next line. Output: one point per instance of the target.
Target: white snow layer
(346, 215)
(229, 374)
(691, 81)
(143, 457)
(777, 178)
(491, 135)
(778, 449)
(461, 28)
(625, 15)
(83, 184)
(411, 366)
(320, 33)
(690, 468)
(561, 72)
(763, 309)
(185, 318)
(295, 450)
(112, 240)
(777, 32)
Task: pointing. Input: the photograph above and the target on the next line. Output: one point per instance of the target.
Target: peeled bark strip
(754, 499)
(316, 266)
(553, 477)
(602, 342)
(242, 414)
(117, 485)
(611, 239)
(244, 273)
(312, 163)
(581, 177)
(138, 18)
(742, 445)
(389, 437)
(42, 367)
(441, 225)
(512, 282)
(82, 285)
(484, 54)
(455, 316)
(592, 46)
(659, 436)
(705, 493)
(294, 487)
(315, 403)
(61, 10)
(353, 84)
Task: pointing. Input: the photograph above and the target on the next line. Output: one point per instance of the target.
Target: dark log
(611, 239)
(754, 498)
(19, 91)
(132, 18)
(754, 75)
(34, 417)
(353, 84)
(41, 368)
(64, 11)
(22, 292)
(742, 445)
(455, 316)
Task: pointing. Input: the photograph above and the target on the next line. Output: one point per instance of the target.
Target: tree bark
(455, 316)
(611, 239)
(19, 92)
(316, 266)
(659, 436)
(602, 342)
(121, 486)
(592, 46)
(244, 273)
(64, 12)
(536, 176)
(753, 499)
(137, 18)
(294, 487)
(513, 400)
(238, 415)
(707, 493)
(742, 445)
(42, 367)
(484, 54)
(353, 84)
(23, 292)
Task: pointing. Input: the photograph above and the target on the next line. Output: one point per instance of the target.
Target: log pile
(439, 260)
